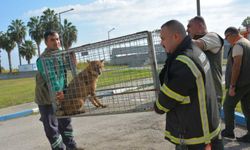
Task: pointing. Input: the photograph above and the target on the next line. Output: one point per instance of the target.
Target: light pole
(59, 15)
(198, 7)
(0, 62)
(108, 39)
(109, 32)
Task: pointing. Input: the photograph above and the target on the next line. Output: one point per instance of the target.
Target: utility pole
(61, 32)
(0, 62)
(108, 39)
(198, 7)
(109, 32)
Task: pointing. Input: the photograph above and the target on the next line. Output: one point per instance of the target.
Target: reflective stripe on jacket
(188, 97)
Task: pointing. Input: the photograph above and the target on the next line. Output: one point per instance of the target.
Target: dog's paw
(82, 111)
(97, 106)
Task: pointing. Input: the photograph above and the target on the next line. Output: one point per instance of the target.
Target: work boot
(227, 134)
(77, 148)
(244, 138)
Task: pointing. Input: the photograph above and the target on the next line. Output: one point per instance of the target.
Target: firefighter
(187, 93)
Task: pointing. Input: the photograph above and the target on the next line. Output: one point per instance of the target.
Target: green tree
(49, 20)
(1, 46)
(17, 32)
(28, 50)
(36, 31)
(246, 22)
(69, 34)
(2, 68)
(8, 45)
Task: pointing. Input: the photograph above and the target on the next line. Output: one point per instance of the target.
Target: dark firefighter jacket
(187, 96)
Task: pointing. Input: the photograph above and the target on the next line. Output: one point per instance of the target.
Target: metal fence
(128, 82)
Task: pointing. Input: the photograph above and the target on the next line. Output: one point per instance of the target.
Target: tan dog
(83, 85)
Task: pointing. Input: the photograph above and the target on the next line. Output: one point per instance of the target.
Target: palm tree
(17, 31)
(8, 45)
(28, 50)
(36, 31)
(246, 22)
(49, 20)
(69, 34)
(1, 46)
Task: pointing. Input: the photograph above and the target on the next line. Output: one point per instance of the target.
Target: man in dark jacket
(187, 94)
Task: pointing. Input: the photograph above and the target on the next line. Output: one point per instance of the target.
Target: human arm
(70, 59)
(237, 61)
(210, 42)
(199, 43)
(60, 95)
(175, 91)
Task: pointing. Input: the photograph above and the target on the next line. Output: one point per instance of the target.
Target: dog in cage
(82, 87)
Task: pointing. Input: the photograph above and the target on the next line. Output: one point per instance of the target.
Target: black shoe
(244, 138)
(77, 148)
(227, 134)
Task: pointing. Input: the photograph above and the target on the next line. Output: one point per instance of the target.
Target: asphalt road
(133, 131)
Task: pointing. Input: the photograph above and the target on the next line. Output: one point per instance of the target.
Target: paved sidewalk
(18, 111)
(17, 108)
(132, 131)
(136, 122)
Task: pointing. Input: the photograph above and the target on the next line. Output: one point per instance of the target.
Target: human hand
(59, 96)
(232, 91)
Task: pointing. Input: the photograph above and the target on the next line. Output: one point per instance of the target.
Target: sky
(94, 18)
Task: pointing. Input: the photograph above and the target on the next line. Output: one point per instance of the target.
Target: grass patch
(19, 91)
(16, 91)
(119, 76)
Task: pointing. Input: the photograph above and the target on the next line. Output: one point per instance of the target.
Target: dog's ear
(102, 60)
(88, 61)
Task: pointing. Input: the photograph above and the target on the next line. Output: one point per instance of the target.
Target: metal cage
(127, 83)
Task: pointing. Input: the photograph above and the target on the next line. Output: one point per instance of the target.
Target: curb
(19, 114)
(239, 118)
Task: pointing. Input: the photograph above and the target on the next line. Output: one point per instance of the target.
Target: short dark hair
(232, 30)
(198, 19)
(49, 33)
(175, 26)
